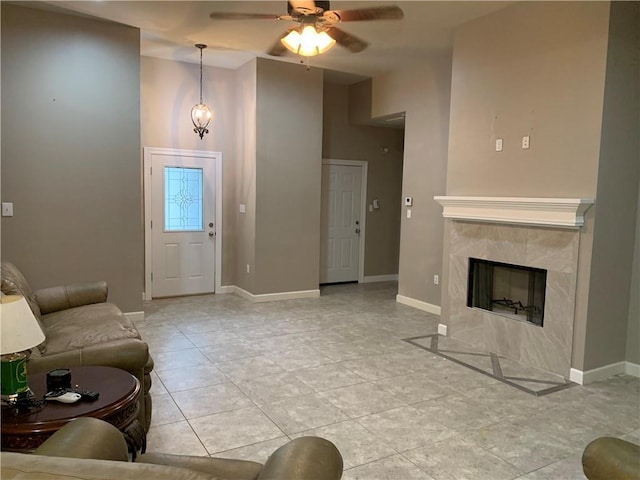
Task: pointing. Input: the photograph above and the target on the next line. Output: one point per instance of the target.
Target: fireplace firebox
(514, 291)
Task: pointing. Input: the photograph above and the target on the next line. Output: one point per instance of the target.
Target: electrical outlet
(436, 280)
(248, 268)
(525, 142)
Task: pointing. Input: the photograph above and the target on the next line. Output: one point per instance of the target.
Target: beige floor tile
(326, 377)
(405, 428)
(461, 424)
(200, 402)
(234, 429)
(395, 467)
(356, 444)
(273, 387)
(457, 459)
(177, 379)
(256, 452)
(362, 399)
(176, 438)
(298, 414)
(165, 410)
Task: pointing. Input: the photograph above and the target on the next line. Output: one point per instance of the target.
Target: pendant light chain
(201, 73)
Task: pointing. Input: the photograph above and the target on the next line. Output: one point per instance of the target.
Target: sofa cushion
(14, 283)
(84, 326)
(18, 466)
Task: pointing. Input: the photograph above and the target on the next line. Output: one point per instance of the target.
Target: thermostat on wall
(408, 201)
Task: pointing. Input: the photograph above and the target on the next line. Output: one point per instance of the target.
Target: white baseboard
(632, 369)
(135, 316)
(274, 297)
(442, 329)
(585, 377)
(380, 278)
(412, 302)
(226, 289)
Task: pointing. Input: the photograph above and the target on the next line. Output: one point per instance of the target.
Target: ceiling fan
(316, 22)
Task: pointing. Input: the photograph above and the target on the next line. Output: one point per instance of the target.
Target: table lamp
(19, 332)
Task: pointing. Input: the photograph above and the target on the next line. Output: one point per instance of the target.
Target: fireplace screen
(510, 290)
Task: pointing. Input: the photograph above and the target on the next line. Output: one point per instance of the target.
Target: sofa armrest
(304, 458)
(607, 458)
(55, 299)
(86, 437)
(129, 354)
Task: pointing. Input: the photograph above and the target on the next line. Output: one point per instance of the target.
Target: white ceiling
(169, 29)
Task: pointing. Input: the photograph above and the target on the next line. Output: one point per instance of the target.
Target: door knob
(357, 230)
(211, 234)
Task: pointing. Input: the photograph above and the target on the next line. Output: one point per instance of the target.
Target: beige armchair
(82, 328)
(88, 448)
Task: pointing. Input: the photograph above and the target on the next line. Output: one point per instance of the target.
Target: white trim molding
(419, 304)
(273, 297)
(550, 212)
(589, 376)
(380, 278)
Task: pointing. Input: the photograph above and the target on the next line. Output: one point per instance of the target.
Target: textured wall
(71, 160)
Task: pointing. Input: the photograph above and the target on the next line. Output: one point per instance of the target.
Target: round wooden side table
(24, 431)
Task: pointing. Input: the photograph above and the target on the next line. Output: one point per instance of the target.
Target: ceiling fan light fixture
(307, 41)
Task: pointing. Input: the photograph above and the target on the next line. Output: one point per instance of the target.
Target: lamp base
(13, 374)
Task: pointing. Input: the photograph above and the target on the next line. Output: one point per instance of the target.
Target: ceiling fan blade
(243, 16)
(347, 40)
(390, 12)
(278, 49)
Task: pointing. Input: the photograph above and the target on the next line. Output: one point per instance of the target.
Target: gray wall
(168, 91)
(617, 193)
(71, 151)
(245, 181)
(345, 141)
(288, 177)
(423, 92)
(553, 71)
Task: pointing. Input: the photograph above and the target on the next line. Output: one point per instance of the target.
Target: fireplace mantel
(551, 212)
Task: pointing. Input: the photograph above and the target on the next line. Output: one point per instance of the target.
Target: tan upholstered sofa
(82, 328)
(88, 448)
(609, 458)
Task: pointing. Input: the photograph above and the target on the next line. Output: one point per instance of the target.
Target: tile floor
(238, 379)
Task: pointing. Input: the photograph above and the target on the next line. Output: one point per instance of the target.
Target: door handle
(211, 234)
(357, 230)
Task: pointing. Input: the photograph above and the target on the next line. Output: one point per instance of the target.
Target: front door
(182, 224)
(341, 224)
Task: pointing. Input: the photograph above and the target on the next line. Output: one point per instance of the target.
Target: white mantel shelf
(551, 212)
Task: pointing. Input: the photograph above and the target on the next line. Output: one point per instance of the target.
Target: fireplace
(513, 291)
(542, 234)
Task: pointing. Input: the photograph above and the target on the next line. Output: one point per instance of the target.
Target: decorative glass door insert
(183, 199)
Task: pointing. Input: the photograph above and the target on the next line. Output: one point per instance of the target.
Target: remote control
(63, 397)
(88, 395)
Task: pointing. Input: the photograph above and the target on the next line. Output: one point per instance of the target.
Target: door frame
(216, 157)
(363, 205)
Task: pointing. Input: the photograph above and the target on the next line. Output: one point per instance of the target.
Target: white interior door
(341, 223)
(182, 224)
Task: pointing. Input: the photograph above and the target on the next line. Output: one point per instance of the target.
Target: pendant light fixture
(201, 114)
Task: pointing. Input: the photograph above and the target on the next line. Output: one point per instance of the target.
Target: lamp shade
(19, 329)
(308, 42)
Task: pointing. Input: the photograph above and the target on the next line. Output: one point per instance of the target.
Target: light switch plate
(7, 209)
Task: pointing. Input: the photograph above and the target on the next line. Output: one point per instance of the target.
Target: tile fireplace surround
(540, 233)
